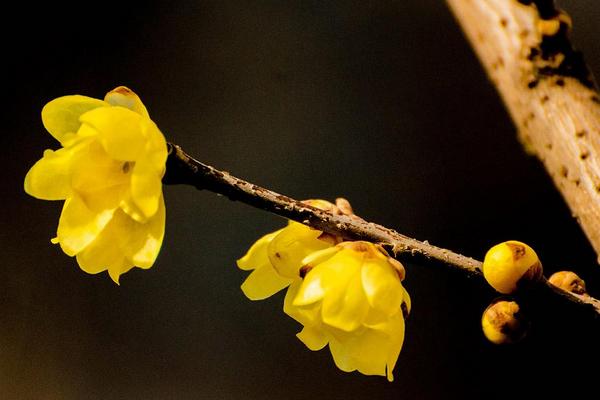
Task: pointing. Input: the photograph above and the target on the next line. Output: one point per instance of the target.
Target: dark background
(382, 102)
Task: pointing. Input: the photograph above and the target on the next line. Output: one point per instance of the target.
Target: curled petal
(79, 226)
(116, 270)
(61, 116)
(382, 286)
(119, 130)
(50, 177)
(295, 242)
(346, 308)
(146, 188)
(308, 315)
(264, 282)
(314, 339)
(144, 241)
(256, 256)
(341, 355)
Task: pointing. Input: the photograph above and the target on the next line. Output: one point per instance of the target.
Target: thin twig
(183, 169)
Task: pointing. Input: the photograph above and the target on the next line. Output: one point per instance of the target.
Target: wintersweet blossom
(109, 173)
(352, 298)
(276, 258)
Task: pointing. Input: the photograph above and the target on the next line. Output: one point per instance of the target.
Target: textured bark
(548, 90)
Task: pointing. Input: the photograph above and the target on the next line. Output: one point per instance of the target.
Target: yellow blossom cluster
(109, 172)
(348, 295)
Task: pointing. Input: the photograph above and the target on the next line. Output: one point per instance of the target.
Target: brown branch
(549, 92)
(183, 169)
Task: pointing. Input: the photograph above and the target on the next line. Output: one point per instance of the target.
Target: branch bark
(548, 91)
(183, 169)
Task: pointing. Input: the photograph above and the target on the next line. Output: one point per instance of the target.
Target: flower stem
(184, 169)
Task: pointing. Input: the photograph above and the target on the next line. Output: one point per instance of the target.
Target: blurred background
(382, 102)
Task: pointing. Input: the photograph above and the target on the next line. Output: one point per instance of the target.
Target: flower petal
(307, 315)
(256, 256)
(264, 282)
(120, 131)
(103, 251)
(341, 356)
(312, 288)
(369, 352)
(61, 116)
(295, 242)
(144, 240)
(314, 339)
(146, 188)
(79, 226)
(116, 270)
(50, 177)
(346, 307)
(382, 286)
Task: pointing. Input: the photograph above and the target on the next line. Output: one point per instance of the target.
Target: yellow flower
(109, 173)
(276, 258)
(352, 298)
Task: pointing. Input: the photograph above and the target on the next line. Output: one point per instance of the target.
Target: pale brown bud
(568, 281)
(504, 323)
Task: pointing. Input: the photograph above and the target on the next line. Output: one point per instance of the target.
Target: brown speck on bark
(549, 146)
(580, 133)
(544, 99)
(564, 172)
(584, 155)
(595, 99)
(532, 84)
(504, 22)
(560, 82)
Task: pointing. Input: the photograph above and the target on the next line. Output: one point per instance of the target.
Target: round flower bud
(504, 323)
(508, 263)
(568, 281)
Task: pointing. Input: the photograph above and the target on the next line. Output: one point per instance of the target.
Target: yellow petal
(318, 257)
(50, 177)
(295, 242)
(92, 169)
(103, 251)
(146, 188)
(104, 199)
(346, 307)
(397, 327)
(257, 254)
(125, 97)
(341, 356)
(156, 146)
(312, 288)
(307, 315)
(144, 240)
(130, 208)
(313, 338)
(264, 282)
(369, 352)
(382, 286)
(120, 131)
(116, 270)
(61, 115)
(79, 226)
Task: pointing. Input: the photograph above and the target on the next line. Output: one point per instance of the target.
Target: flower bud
(511, 262)
(568, 281)
(503, 322)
